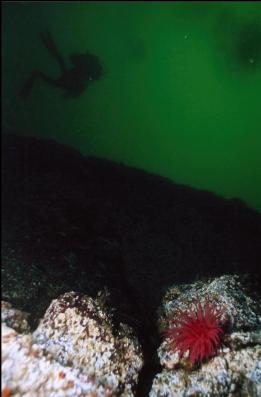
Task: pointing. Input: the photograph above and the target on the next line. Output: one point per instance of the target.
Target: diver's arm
(49, 80)
(50, 45)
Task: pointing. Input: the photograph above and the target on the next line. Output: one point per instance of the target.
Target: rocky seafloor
(95, 255)
(78, 350)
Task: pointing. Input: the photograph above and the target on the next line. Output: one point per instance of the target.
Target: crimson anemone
(197, 331)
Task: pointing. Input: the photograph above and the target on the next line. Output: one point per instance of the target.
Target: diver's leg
(50, 45)
(27, 88)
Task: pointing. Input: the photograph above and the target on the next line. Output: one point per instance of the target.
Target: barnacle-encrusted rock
(236, 367)
(78, 331)
(76, 351)
(14, 318)
(27, 370)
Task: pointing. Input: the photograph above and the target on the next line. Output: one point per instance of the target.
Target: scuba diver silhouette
(73, 81)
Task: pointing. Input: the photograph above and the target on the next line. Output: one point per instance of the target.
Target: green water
(180, 96)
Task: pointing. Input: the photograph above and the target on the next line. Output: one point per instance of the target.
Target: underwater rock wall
(75, 223)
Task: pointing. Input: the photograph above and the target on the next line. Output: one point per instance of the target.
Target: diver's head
(88, 64)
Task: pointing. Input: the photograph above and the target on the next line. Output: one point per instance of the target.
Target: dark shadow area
(75, 223)
(74, 80)
(248, 46)
(238, 41)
